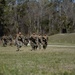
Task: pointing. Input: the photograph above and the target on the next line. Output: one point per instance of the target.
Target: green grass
(55, 60)
(52, 61)
(62, 39)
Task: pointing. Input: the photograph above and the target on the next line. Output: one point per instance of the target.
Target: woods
(39, 16)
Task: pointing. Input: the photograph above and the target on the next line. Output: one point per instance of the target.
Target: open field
(68, 38)
(55, 60)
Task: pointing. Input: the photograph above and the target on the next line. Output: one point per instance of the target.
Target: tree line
(42, 16)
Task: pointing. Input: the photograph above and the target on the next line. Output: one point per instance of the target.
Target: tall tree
(2, 9)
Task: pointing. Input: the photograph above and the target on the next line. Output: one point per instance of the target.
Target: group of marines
(34, 40)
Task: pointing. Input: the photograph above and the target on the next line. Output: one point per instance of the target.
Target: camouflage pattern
(44, 41)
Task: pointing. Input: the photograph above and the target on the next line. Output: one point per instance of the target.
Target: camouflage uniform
(26, 41)
(39, 41)
(33, 42)
(10, 40)
(19, 41)
(4, 40)
(44, 41)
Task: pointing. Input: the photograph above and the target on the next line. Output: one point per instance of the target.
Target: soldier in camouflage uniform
(4, 40)
(33, 41)
(39, 41)
(44, 41)
(26, 40)
(10, 38)
(19, 41)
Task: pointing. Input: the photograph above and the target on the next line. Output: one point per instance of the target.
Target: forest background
(40, 16)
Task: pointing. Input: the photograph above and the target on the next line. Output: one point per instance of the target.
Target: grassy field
(57, 59)
(52, 61)
(62, 39)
